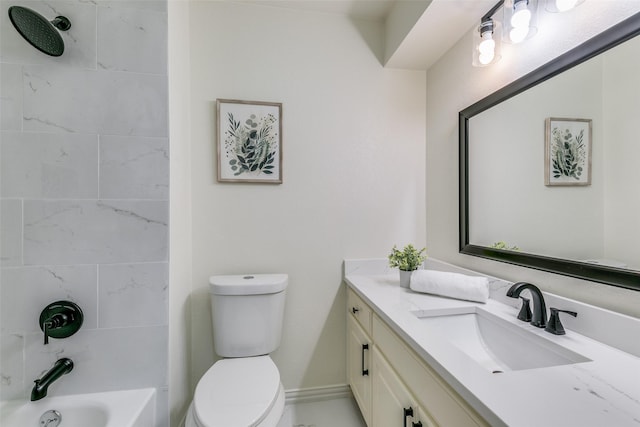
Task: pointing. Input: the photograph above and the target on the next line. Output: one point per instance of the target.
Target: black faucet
(539, 315)
(61, 367)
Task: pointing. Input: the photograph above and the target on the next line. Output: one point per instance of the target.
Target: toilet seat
(237, 392)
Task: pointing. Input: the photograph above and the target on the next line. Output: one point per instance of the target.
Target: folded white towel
(452, 285)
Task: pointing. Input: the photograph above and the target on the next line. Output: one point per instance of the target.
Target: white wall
(453, 84)
(354, 179)
(180, 211)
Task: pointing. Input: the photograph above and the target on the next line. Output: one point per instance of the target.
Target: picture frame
(567, 152)
(249, 141)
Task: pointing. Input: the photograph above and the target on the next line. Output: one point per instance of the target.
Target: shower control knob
(60, 319)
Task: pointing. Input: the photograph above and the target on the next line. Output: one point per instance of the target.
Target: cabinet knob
(354, 310)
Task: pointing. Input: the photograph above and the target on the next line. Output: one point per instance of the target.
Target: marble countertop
(603, 392)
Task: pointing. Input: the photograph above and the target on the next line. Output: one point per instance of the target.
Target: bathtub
(127, 408)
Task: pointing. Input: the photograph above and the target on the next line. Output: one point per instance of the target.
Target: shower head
(38, 31)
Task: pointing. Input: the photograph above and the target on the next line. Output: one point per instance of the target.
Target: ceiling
(414, 45)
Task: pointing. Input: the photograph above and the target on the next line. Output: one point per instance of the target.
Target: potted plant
(407, 260)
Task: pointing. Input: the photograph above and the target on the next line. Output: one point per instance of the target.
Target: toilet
(243, 389)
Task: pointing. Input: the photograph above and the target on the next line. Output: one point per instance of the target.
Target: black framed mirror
(541, 259)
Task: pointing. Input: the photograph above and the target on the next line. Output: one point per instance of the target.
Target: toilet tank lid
(248, 284)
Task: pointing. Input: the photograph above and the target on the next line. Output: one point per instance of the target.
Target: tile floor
(325, 413)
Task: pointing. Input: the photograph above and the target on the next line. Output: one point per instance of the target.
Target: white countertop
(604, 392)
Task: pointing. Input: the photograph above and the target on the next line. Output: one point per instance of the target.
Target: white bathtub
(127, 408)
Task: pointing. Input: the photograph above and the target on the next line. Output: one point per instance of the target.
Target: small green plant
(504, 246)
(407, 259)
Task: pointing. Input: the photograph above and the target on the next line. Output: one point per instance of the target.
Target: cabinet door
(392, 403)
(359, 348)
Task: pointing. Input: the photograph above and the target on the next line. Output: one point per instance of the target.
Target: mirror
(548, 165)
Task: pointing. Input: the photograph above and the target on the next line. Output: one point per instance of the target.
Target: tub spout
(61, 367)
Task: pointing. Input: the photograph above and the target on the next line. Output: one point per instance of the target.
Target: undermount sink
(493, 342)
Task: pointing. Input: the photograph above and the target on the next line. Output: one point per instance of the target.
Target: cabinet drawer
(442, 402)
(359, 310)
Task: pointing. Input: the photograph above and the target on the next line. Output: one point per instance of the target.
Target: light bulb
(521, 15)
(564, 5)
(487, 45)
(518, 34)
(485, 59)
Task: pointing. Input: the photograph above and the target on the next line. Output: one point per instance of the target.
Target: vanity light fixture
(518, 23)
(520, 17)
(556, 6)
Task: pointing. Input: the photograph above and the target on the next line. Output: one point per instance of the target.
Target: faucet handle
(60, 319)
(525, 310)
(554, 325)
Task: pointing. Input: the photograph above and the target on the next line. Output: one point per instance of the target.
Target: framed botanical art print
(249, 141)
(567, 152)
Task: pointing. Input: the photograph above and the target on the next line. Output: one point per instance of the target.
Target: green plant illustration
(251, 146)
(407, 259)
(568, 153)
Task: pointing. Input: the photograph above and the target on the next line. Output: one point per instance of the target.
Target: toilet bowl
(244, 388)
(244, 392)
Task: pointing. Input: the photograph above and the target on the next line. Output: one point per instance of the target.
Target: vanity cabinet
(398, 381)
(392, 402)
(359, 346)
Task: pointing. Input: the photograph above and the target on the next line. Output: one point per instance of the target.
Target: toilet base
(271, 420)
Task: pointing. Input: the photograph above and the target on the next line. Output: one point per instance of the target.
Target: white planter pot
(405, 278)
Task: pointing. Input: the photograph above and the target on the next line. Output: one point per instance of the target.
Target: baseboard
(315, 394)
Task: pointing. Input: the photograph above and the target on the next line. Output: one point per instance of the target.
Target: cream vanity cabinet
(392, 385)
(391, 399)
(359, 346)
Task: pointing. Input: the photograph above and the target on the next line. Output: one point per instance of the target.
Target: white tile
(10, 97)
(134, 168)
(104, 359)
(10, 232)
(142, 33)
(12, 367)
(45, 165)
(325, 413)
(79, 40)
(133, 295)
(79, 232)
(113, 103)
(162, 417)
(26, 291)
(151, 5)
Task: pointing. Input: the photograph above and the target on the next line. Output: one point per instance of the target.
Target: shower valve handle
(60, 319)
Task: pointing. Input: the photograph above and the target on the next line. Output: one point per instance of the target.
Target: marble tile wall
(84, 188)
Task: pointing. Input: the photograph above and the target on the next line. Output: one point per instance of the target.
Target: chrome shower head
(38, 31)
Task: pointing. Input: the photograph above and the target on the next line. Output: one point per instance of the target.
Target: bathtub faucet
(61, 367)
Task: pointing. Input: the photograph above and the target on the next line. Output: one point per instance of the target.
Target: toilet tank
(247, 313)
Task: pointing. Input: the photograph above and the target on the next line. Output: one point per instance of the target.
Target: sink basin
(494, 343)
